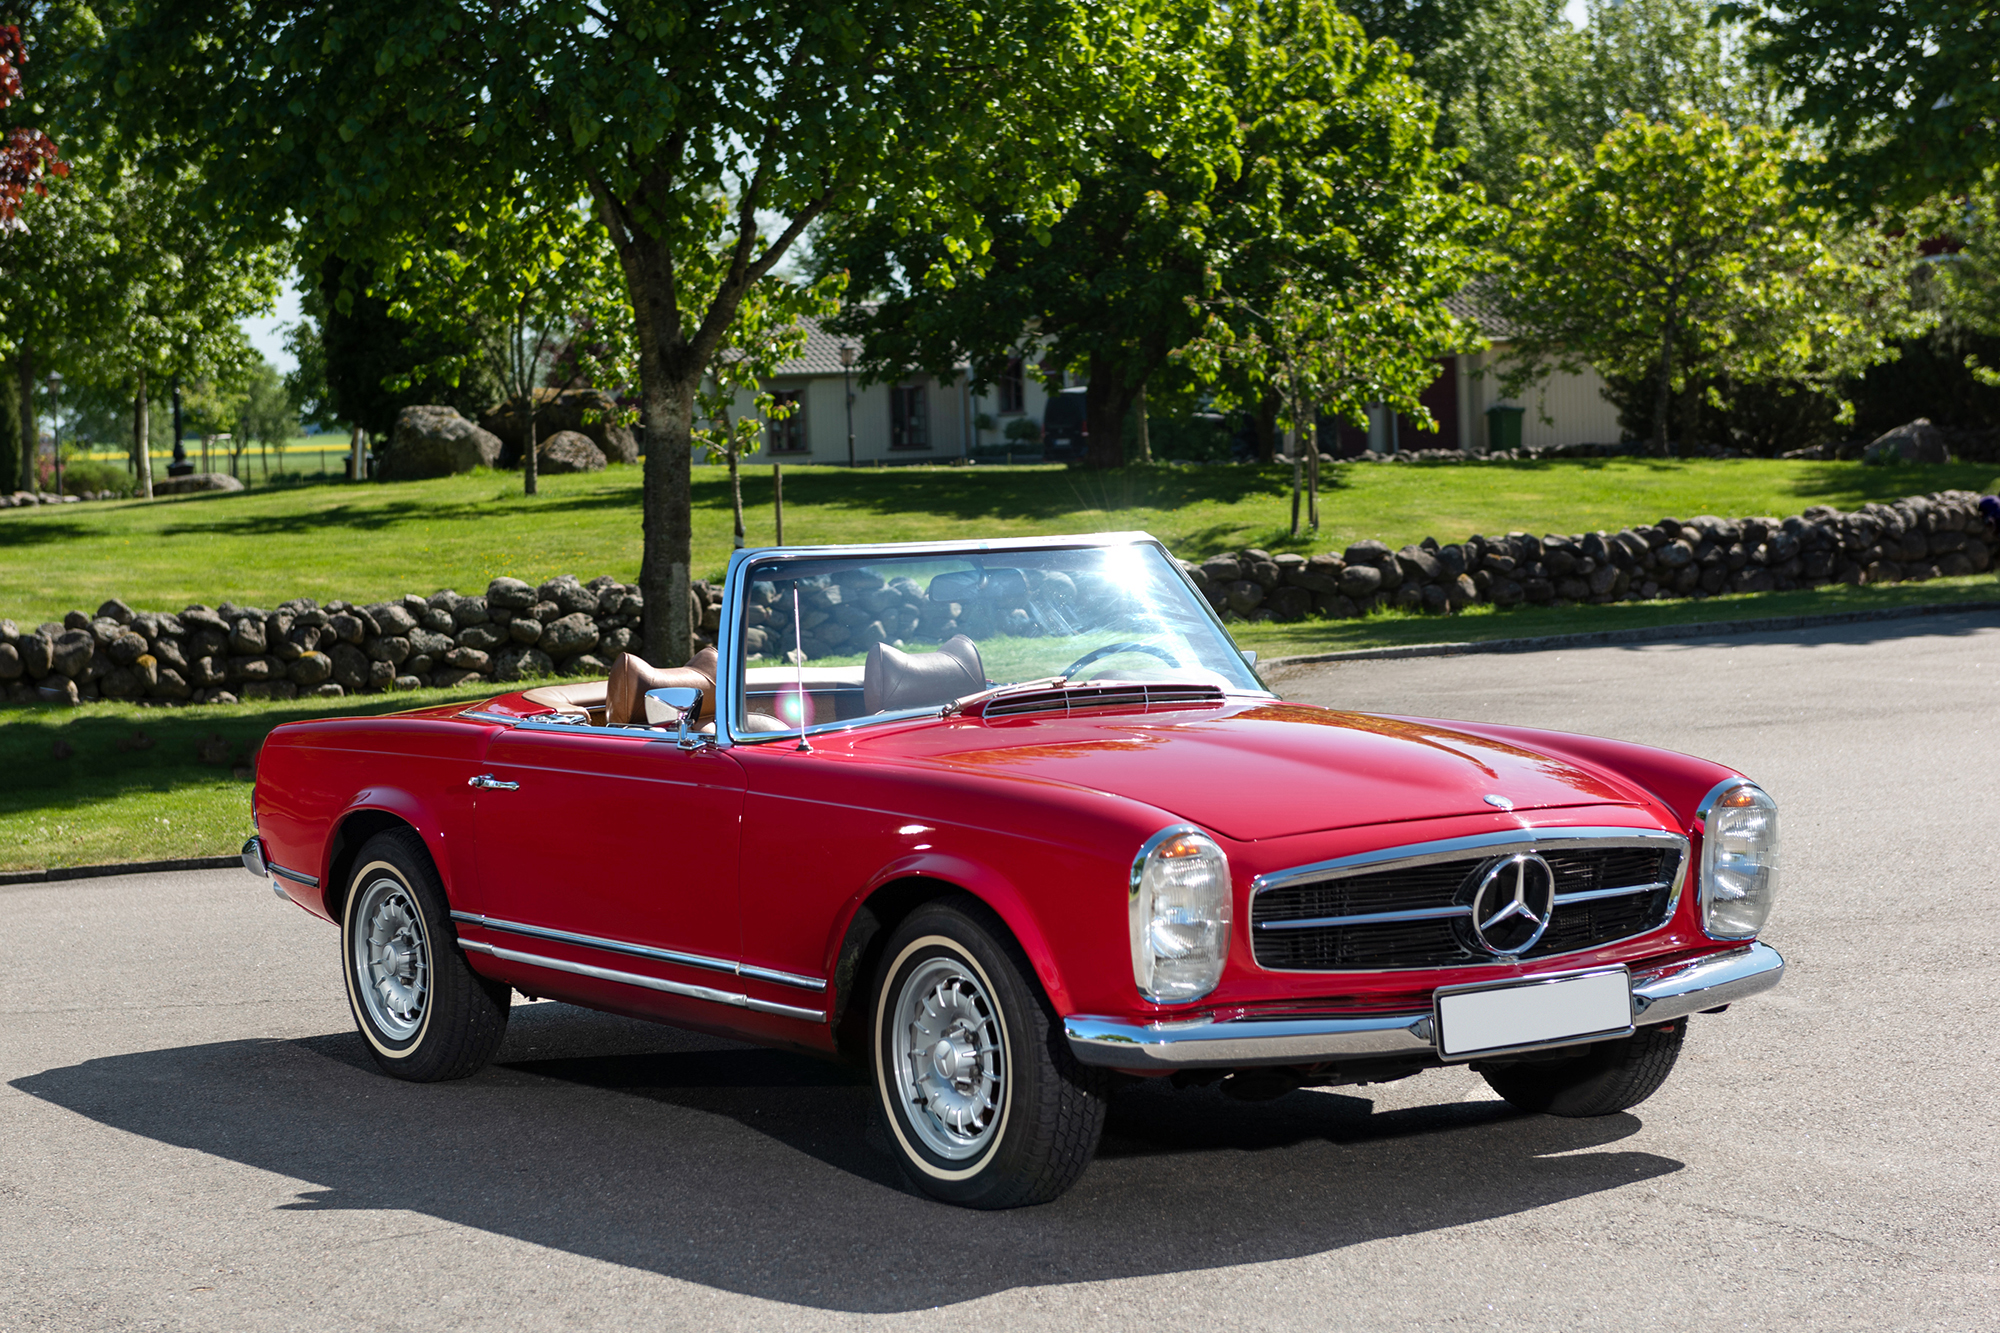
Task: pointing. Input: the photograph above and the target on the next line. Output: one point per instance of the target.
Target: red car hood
(1266, 771)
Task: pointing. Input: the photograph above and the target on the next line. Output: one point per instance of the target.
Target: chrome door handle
(490, 783)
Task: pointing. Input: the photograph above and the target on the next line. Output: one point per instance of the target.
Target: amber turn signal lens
(1738, 799)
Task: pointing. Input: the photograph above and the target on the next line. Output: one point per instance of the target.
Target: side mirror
(680, 703)
(1249, 657)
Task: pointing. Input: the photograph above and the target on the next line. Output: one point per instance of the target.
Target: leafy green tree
(369, 118)
(1321, 352)
(1293, 152)
(1905, 97)
(1514, 78)
(524, 275)
(768, 330)
(1678, 255)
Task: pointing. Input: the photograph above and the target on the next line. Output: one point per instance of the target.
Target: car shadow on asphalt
(765, 1173)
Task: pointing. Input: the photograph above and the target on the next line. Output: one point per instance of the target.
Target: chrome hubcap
(947, 1058)
(391, 958)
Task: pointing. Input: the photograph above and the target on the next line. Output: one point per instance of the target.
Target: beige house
(912, 419)
(1465, 399)
(922, 418)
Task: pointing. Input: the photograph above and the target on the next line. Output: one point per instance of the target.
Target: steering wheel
(1112, 649)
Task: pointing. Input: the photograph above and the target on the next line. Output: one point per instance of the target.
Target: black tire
(424, 1013)
(1023, 1144)
(1612, 1076)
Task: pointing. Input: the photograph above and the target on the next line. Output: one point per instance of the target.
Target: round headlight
(1739, 860)
(1180, 915)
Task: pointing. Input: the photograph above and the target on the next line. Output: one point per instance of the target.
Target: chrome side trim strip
(1451, 849)
(1705, 983)
(702, 961)
(1372, 918)
(297, 877)
(713, 996)
(1658, 996)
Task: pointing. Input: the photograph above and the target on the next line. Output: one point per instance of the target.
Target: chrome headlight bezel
(1739, 884)
(1181, 895)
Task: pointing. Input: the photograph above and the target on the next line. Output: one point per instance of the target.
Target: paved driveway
(191, 1137)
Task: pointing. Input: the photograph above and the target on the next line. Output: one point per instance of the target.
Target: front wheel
(425, 1014)
(1610, 1077)
(985, 1104)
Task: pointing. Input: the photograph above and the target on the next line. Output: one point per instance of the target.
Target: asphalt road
(191, 1137)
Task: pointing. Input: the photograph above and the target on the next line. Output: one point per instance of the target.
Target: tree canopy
(1293, 154)
(367, 119)
(1905, 96)
(1677, 252)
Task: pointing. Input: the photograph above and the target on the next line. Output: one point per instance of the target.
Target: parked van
(1066, 426)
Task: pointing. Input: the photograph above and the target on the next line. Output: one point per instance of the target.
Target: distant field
(365, 541)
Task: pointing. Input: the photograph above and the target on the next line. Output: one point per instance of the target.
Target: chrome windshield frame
(730, 668)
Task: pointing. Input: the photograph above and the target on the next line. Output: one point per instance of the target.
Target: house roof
(1471, 305)
(820, 355)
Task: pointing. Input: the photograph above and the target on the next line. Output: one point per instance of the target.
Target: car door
(612, 850)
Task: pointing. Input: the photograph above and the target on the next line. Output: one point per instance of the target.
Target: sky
(267, 333)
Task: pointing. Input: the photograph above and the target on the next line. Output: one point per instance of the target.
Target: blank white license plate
(1486, 1020)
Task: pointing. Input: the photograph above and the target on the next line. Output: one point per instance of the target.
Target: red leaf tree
(26, 155)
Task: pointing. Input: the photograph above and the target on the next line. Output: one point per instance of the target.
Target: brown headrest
(632, 676)
(894, 679)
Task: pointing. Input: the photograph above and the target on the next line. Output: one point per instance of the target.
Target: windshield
(871, 635)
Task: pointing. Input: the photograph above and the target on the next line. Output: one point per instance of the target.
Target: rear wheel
(985, 1104)
(425, 1014)
(1611, 1076)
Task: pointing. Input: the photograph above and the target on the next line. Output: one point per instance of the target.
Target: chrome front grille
(1410, 907)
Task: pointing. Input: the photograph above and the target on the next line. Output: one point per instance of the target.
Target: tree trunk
(778, 502)
(1109, 399)
(1663, 393)
(1312, 476)
(31, 443)
(142, 437)
(1690, 438)
(530, 473)
(1298, 460)
(1266, 422)
(10, 444)
(736, 493)
(1145, 439)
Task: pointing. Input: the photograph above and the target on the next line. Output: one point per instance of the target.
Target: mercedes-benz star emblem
(1513, 904)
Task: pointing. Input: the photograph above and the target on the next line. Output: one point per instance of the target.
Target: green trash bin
(1503, 427)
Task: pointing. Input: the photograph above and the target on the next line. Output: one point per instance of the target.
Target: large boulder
(432, 441)
(1915, 442)
(586, 411)
(194, 482)
(568, 451)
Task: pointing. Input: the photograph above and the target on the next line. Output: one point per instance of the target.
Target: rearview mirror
(673, 703)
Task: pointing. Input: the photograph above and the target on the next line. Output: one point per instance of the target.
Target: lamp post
(55, 422)
(847, 380)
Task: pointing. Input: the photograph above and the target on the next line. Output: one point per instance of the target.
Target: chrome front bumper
(1659, 995)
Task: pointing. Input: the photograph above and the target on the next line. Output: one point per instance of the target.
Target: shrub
(88, 477)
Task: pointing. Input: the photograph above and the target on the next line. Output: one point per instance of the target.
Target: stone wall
(514, 631)
(1919, 537)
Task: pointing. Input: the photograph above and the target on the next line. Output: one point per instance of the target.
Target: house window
(788, 432)
(909, 418)
(1013, 386)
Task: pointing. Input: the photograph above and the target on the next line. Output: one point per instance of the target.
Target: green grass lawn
(103, 803)
(107, 799)
(370, 541)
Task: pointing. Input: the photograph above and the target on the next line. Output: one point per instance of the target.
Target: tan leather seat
(894, 679)
(632, 676)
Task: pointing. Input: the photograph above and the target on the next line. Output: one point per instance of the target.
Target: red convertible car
(1008, 823)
